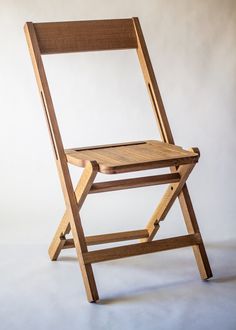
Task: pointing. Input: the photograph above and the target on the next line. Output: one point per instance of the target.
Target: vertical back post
(152, 85)
(166, 134)
(61, 161)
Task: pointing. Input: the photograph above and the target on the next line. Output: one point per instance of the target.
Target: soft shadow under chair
(65, 37)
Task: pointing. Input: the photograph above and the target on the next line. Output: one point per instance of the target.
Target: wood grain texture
(81, 191)
(167, 201)
(133, 157)
(134, 182)
(166, 134)
(152, 86)
(141, 248)
(192, 227)
(63, 37)
(80, 36)
(61, 162)
(109, 238)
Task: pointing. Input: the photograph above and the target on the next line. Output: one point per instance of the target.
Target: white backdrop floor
(157, 291)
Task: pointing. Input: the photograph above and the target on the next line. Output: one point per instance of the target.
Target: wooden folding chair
(97, 35)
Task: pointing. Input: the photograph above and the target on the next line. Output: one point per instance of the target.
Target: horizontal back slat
(65, 37)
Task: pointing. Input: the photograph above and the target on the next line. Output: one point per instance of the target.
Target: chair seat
(131, 156)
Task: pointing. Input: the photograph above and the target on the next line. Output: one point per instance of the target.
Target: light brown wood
(141, 248)
(134, 182)
(80, 36)
(63, 37)
(167, 201)
(152, 87)
(99, 146)
(81, 191)
(166, 134)
(62, 166)
(132, 157)
(192, 227)
(109, 238)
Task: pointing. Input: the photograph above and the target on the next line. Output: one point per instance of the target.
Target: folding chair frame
(74, 199)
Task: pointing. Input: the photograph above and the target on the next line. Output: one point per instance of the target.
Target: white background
(101, 98)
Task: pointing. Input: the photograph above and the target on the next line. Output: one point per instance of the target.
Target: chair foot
(202, 262)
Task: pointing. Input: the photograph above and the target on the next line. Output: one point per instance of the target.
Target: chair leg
(180, 189)
(81, 191)
(58, 240)
(167, 201)
(71, 220)
(86, 269)
(193, 228)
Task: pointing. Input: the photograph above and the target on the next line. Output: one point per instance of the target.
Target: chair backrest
(96, 35)
(65, 37)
